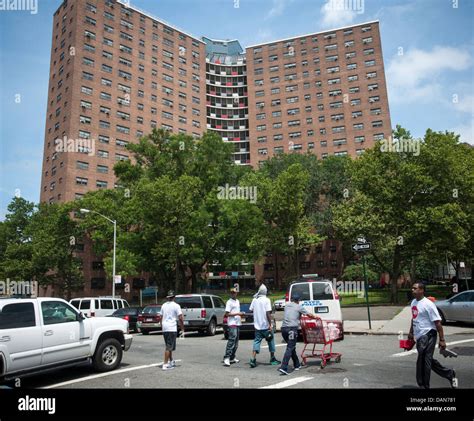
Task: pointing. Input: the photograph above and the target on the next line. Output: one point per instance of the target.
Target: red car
(150, 319)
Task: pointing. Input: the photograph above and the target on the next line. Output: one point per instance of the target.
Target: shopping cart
(320, 332)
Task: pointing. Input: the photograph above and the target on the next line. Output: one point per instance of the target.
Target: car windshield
(127, 310)
(152, 310)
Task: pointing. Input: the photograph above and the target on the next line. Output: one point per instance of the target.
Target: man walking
(233, 313)
(425, 322)
(170, 313)
(289, 331)
(262, 313)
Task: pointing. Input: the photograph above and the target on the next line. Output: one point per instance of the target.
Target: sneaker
(283, 372)
(234, 361)
(454, 381)
(274, 361)
(173, 363)
(167, 367)
(253, 363)
(226, 362)
(298, 368)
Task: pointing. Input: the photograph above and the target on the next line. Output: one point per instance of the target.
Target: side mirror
(80, 317)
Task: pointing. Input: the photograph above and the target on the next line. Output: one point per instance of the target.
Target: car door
(458, 308)
(219, 308)
(20, 336)
(64, 338)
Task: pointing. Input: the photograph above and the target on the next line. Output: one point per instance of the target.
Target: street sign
(361, 240)
(361, 247)
(118, 279)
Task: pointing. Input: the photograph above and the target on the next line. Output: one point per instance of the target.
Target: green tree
(404, 204)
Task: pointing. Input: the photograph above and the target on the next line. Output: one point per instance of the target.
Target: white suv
(41, 334)
(98, 306)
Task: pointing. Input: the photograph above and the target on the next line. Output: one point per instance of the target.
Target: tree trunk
(413, 270)
(277, 278)
(394, 275)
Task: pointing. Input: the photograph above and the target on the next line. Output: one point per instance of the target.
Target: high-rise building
(117, 72)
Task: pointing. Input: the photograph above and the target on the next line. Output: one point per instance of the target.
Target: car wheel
(145, 332)
(108, 355)
(211, 328)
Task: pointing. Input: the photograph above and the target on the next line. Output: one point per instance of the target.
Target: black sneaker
(253, 363)
(274, 361)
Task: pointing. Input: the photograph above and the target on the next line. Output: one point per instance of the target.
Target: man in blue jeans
(289, 331)
(262, 321)
(233, 313)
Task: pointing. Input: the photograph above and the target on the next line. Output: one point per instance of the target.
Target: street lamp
(115, 244)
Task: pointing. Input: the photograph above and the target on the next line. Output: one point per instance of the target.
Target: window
(17, 316)
(101, 184)
(90, 21)
(106, 82)
(88, 61)
(102, 154)
(81, 181)
(106, 68)
(108, 42)
(86, 104)
(263, 151)
(369, 63)
(87, 76)
(359, 139)
(302, 289)
(88, 47)
(352, 66)
(378, 123)
(81, 165)
(55, 312)
(84, 120)
(105, 96)
(104, 139)
(278, 149)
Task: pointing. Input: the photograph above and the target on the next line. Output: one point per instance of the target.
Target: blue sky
(427, 45)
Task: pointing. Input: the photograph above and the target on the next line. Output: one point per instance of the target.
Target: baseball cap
(170, 294)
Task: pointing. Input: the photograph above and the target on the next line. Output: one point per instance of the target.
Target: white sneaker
(234, 361)
(173, 363)
(226, 362)
(167, 367)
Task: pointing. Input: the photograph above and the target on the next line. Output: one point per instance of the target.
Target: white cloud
(466, 131)
(395, 11)
(463, 103)
(336, 13)
(278, 8)
(413, 76)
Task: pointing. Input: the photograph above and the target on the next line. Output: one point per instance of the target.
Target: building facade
(117, 72)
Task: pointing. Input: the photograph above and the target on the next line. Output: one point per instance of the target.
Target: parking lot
(368, 361)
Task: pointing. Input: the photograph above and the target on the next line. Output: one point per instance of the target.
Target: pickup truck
(43, 334)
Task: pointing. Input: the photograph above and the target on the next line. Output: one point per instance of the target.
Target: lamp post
(115, 244)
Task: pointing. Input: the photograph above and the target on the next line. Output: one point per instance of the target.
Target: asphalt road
(367, 362)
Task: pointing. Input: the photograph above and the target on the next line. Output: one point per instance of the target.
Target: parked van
(98, 306)
(318, 297)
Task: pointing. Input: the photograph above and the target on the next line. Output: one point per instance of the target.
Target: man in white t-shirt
(262, 321)
(233, 313)
(170, 313)
(425, 322)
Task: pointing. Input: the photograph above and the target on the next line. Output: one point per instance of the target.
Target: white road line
(414, 351)
(98, 376)
(287, 383)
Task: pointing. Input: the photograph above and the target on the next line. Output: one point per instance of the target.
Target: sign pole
(366, 292)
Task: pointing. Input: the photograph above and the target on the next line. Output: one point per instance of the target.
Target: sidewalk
(400, 323)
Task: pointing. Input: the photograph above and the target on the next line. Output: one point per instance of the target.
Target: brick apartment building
(116, 72)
